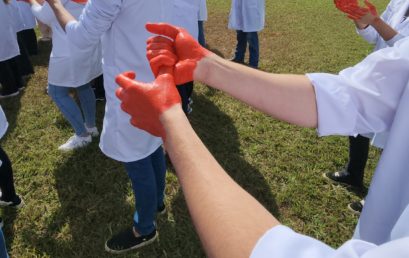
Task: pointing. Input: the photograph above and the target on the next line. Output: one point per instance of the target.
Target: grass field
(75, 201)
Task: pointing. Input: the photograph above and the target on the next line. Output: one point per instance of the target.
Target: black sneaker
(16, 202)
(357, 206)
(127, 241)
(341, 177)
(8, 95)
(235, 60)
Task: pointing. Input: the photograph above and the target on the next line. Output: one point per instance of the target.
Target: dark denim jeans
(252, 39)
(3, 250)
(201, 39)
(148, 183)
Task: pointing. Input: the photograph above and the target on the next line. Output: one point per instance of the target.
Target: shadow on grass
(219, 134)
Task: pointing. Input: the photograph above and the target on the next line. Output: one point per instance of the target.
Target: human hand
(362, 15)
(185, 49)
(146, 102)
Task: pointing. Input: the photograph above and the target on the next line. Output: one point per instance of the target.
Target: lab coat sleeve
(369, 33)
(44, 13)
(362, 99)
(282, 242)
(95, 20)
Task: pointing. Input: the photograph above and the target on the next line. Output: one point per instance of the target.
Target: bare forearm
(290, 98)
(384, 30)
(228, 220)
(62, 15)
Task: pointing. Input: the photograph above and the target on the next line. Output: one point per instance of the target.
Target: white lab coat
(203, 11)
(247, 15)
(121, 23)
(16, 16)
(8, 41)
(3, 123)
(29, 21)
(359, 100)
(69, 65)
(393, 15)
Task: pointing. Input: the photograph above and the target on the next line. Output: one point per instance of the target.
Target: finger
(159, 46)
(159, 39)
(120, 93)
(162, 60)
(125, 80)
(154, 53)
(184, 71)
(163, 29)
(353, 17)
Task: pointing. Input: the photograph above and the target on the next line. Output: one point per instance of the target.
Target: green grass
(76, 201)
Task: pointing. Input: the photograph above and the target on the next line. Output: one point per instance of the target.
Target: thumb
(125, 80)
(165, 29)
(184, 71)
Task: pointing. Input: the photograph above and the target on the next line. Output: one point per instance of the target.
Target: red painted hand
(355, 12)
(187, 51)
(146, 102)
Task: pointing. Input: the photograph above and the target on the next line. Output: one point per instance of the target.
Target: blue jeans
(252, 39)
(201, 38)
(69, 108)
(3, 250)
(148, 183)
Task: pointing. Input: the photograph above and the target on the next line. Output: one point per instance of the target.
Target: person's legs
(201, 38)
(353, 174)
(98, 87)
(142, 176)
(159, 167)
(87, 99)
(30, 40)
(8, 192)
(68, 108)
(240, 47)
(7, 79)
(252, 38)
(24, 63)
(3, 250)
(358, 156)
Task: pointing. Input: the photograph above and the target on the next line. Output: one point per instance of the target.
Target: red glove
(146, 102)
(187, 50)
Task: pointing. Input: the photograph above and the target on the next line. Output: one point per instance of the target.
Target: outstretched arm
(62, 15)
(228, 220)
(289, 98)
(213, 198)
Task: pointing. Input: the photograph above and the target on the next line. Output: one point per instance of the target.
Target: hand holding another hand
(174, 45)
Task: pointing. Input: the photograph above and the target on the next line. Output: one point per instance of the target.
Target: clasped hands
(364, 15)
(173, 57)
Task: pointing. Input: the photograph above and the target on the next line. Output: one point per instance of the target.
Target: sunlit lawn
(76, 201)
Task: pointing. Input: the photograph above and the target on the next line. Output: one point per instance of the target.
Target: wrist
(203, 67)
(171, 114)
(375, 21)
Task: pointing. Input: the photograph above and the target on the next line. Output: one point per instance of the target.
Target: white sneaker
(93, 131)
(75, 142)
